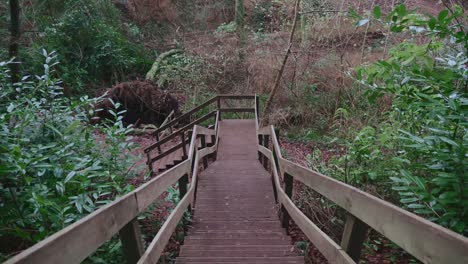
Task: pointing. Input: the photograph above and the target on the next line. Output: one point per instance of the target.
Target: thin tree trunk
(267, 108)
(240, 26)
(14, 40)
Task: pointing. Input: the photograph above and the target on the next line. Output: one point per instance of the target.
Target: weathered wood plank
(150, 191)
(132, 242)
(354, 235)
(423, 239)
(236, 97)
(154, 250)
(330, 250)
(77, 241)
(237, 110)
(264, 131)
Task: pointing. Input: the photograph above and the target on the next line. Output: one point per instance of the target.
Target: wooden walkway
(235, 218)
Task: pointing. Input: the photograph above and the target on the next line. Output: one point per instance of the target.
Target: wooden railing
(185, 129)
(426, 241)
(79, 240)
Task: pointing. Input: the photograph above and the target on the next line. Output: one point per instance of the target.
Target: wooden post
(257, 108)
(354, 235)
(272, 176)
(184, 146)
(157, 140)
(148, 161)
(132, 243)
(288, 189)
(219, 107)
(183, 182)
(203, 145)
(260, 142)
(266, 143)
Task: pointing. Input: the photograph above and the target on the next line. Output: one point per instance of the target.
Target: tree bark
(14, 40)
(267, 108)
(240, 26)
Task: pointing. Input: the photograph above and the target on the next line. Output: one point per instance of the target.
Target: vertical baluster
(354, 235)
(288, 189)
(203, 145)
(184, 145)
(266, 143)
(157, 140)
(132, 242)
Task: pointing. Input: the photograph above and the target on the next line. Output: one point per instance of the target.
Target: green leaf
(443, 14)
(401, 10)
(70, 175)
(449, 141)
(432, 23)
(377, 12)
(409, 200)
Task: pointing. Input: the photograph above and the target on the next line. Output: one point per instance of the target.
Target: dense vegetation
(381, 88)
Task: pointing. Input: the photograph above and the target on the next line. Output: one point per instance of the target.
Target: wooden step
(239, 260)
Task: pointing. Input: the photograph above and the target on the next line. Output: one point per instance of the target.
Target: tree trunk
(14, 40)
(267, 108)
(240, 26)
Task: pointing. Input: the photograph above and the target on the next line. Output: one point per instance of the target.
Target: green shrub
(92, 46)
(423, 143)
(55, 168)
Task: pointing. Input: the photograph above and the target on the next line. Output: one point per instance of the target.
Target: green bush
(422, 144)
(92, 46)
(55, 168)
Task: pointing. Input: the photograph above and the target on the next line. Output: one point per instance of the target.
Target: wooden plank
(167, 152)
(236, 97)
(158, 143)
(237, 110)
(79, 240)
(423, 239)
(203, 145)
(354, 235)
(187, 114)
(150, 191)
(205, 131)
(132, 242)
(330, 250)
(187, 127)
(154, 250)
(288, 189)
(264, 130)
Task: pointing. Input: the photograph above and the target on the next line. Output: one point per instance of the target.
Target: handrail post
(184, 146)
(266, 143)
(275, 158)
(219, 107)
(183, 182)
(203, 145)
(354, 235)
(288, 189)
(260, 142)
(257, 107)
(157, 140)
(132, 242)
(149, 163)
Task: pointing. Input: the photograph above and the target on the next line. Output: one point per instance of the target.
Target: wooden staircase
(235, 215)
(235, 202)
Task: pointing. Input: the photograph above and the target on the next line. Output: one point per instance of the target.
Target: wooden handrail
(180, 131)
(80, 239)
(427, 241)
